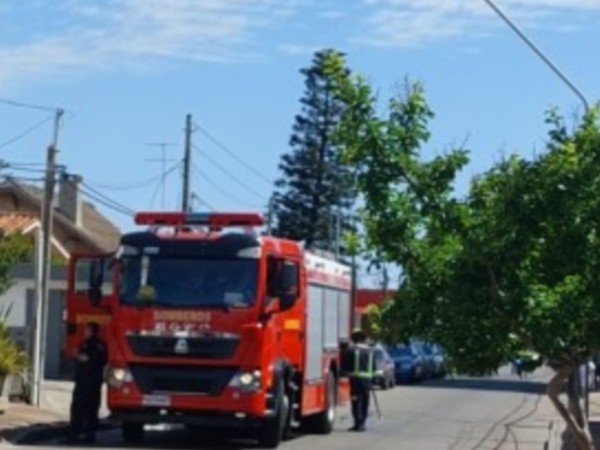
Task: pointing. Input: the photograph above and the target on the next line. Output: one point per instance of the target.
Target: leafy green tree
(316, 185)
(512, 266)
(12, 359)
(14, 248)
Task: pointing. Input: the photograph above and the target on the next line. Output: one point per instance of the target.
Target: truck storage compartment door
(314, 338)
(331, 320)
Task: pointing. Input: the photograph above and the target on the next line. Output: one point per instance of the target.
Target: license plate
(156, 400)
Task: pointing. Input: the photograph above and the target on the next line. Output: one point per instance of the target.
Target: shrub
(12, 359)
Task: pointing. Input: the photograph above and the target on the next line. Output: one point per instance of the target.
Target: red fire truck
(209, 326)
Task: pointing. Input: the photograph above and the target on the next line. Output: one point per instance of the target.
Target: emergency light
(214, 221)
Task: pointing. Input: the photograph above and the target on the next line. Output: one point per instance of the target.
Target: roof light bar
(212, 220)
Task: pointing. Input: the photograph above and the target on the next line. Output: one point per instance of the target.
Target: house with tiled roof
(78, 227)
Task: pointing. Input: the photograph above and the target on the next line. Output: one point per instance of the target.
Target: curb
(555, 435)
(40, 433)
(550, 441)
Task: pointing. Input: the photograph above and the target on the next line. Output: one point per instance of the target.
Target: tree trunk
(573, 416)
(574, 398)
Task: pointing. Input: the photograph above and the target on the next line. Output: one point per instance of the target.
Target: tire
(384, 385)
(323, 422)
(273, 429)
(132, 432)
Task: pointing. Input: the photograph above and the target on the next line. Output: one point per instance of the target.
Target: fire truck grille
(166, 346)
(184, 380)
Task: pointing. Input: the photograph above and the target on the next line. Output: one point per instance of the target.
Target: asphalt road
(498, 413)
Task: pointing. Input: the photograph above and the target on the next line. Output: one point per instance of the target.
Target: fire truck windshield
(188, 282)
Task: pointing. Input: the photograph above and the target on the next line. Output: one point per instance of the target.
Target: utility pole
(187, 161)
(44, 257)
(163, 159)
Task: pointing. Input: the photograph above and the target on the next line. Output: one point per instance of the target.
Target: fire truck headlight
(247, 381)
(117, 376)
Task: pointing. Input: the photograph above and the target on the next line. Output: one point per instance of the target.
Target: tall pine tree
(316, 186)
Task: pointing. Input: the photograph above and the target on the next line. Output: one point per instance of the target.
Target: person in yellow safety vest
(359, 364)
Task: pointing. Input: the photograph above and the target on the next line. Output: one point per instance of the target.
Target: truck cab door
(81, 308)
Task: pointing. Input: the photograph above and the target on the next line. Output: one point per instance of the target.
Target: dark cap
(358, 334)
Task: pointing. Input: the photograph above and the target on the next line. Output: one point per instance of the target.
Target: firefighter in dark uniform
(359, 365)
(89, 376)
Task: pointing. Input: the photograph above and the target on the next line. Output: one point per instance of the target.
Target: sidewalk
(20, 423)
(594, 421)
(539, 426)
(594, 418)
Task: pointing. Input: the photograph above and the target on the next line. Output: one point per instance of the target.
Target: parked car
(384, 376)
(435, 358)
(409, 363)
(440, 360)
(429, 362)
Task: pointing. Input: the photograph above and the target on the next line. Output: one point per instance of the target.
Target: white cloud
(136, 33)
(406, 23)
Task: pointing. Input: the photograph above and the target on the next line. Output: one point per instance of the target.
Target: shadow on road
(569, 444)
(486, 384)
(200, 439)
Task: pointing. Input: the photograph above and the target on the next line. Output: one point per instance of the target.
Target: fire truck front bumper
(244, 410)
(231, 409)
(189, 418)
(188, 395)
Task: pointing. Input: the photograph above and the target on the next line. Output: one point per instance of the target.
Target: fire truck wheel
(323, 422)
(272, 430)
(132, 432)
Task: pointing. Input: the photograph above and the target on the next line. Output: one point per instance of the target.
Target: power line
(25, 164)
(28, 179)
(219, 189)
(223, 147)
(229, 174)
(126, 212)
(27, 168)
(202, 201)
(155, 193)
(163, 160)
(23, 169)
(107, 201)
(127, 187)
(27, 132)
(33, 106)
(161, 181)
(141, 184)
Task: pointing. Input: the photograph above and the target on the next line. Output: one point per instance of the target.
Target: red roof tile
(16, 222)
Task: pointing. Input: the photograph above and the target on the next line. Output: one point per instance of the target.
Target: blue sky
(128, 71)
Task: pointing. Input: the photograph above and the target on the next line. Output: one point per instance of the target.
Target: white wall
(21, 320)
(17, 297)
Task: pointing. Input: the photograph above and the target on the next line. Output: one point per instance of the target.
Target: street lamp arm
(538, 52)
